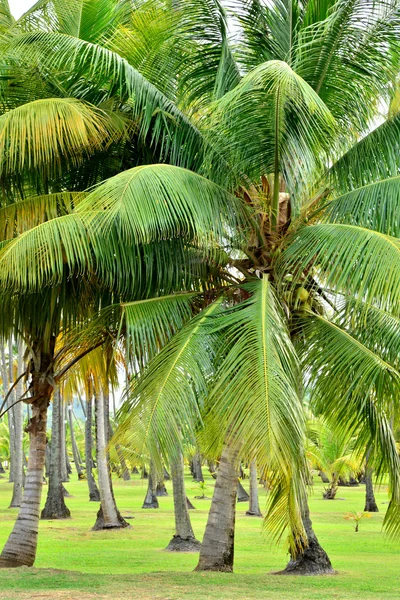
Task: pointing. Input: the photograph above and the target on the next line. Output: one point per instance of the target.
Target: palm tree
(284, 221)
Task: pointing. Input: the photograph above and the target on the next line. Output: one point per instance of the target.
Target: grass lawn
(78, 564)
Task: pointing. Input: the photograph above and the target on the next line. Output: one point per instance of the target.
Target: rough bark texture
(313, 560)
(196, 468)
(20, 548)
(75, 450)
(108, 516)
(55, 507)
(370, 503)
(18, 475)
(217, 549)
(184, 539)
(94, 494)
(331, 491)
(150, 500)
(254, 506)
(242, 495)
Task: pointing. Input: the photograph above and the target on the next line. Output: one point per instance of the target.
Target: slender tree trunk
(18, 438)
(312, 560)
(20, 548)
(64, 469)
(55, 507)
(166, 475)
(150, 500)
(197, 471)
(94, 494)
(125, 471)
(75, 450)
(108, 516)
(161, 490)
(217, 549)
(254, 506)
(242, 495)
(370, 503)
(324, 477)
(2, 469)
(6, 386)
(331, 491)
(184, 539)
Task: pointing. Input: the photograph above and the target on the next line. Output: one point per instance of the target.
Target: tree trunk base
(55, 512)
(371, 507)
(189, 504)
(161, 490)
(65, 492)
(100, 525)
(178, 544)
(94, 496)
(250, 513)
(312, 561)
(11, 564)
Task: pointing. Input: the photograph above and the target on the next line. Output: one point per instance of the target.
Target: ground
(74, 563)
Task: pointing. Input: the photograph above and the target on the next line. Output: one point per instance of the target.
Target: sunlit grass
(74, 562)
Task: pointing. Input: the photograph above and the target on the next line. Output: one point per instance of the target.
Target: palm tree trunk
(94, 494)
(150, 500)
(217, 549)
(125, 471)
(184, 539)
(254, 506)
(324, 477)
(20, 548)
(64, 458)
(242, 495)
(370, 502)
(197, 471)
(18, 438)
(312, 560)
(75, 450)
(108, 516)
(55, 507)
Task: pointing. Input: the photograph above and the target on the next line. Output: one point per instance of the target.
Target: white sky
(18, 7)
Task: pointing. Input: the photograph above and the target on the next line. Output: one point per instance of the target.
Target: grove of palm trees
(200, 299)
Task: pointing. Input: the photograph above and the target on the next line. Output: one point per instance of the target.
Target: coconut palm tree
(284, 221)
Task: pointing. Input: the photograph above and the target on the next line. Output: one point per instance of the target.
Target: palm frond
(274, 124)
(22, 216)
(375, 206)
(256, 397)
(43, 133)
(167, 398)
(351, 260)
(354, 388)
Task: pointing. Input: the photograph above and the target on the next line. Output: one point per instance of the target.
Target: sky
(18, 7)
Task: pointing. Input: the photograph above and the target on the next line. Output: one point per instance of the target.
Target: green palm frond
(375, 206)
(142, 216)
(167, 398)
(373, 158)
(330, 51)
(149, 324)
(350, 259)
(274, 124)
(43, 133)
(159, 120)
(24, 215)
(354, 388)
(256, 396)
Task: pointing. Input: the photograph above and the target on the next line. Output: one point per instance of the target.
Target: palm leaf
(255, 398)
(167, 398)
(43, 133)
(350, 259)
(354, 388)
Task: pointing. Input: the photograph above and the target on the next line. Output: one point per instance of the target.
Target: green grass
(76, 563)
